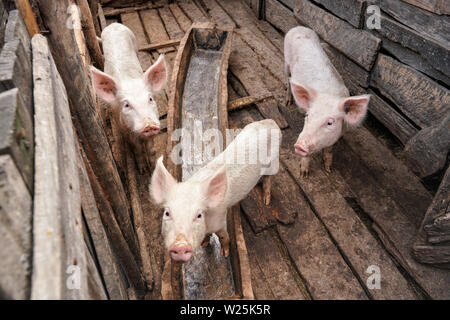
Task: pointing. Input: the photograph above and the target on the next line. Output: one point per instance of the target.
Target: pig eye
(199, 216)
(150, 99)
(330, 122)
(127, 105)
(166, 213)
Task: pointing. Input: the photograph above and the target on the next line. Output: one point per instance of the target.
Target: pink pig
(125, 86)
(319, 90)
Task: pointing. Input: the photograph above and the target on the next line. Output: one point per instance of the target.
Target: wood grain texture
(16, 71)
(424, 101)
(351, 11)
(84, 114)
(15, 232)
(391, 119)
(57, 222)
(16, 29)
(339, 33)
(16, 133)
(426, 152)
(435, 52)
(278, 15)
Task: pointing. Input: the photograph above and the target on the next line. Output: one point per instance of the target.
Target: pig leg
(224, 242)
(304, 166)
(266, 184)
(205, 241)
(288, 99)
(328, 158)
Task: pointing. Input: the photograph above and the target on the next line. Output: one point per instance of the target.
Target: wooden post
(90, 35)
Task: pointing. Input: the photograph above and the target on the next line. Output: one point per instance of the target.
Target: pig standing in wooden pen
(198, 207)
(319, 90)
(130, 92)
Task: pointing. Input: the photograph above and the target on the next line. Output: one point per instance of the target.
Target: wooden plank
(111, 12)
(101, 17)
(351, 11)
(240, 103)
(436, 220)
(279, 16)
(317, 259)
(16, 133)
(57, 235)
(159, 45)
(414, 60)
(426, 152)
(15, 232)
(435, 255)
(183, 21)
(154, 28)
(28, 16)
(16, 29)
(436, 53)
(390, 221)
(391, 119)
(403, 186)
(339, 34)
(85, 117)
(114, 283)
(275, 272)
(357, 243)
(170, 23)
(427, 24)
(436, 6)
(422, 100)
(15, 71)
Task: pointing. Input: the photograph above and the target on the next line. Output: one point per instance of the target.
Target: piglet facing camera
(196, 208)
(126, 88)
(318, 90)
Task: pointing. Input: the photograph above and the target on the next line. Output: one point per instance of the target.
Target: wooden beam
(28, 16)
(90, 34)
(426, 152)
(111, 12)
(159, 45)
(243, 102)
(101, 17)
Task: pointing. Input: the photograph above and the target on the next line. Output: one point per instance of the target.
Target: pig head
(326, 117)
(132, 99)
(186, 208)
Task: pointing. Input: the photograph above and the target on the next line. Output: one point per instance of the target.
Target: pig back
(308, 63)
(120, 51)
(242, 176)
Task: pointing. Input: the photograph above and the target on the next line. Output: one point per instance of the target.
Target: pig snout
(181, 252)
(301, 149)
(150, 130)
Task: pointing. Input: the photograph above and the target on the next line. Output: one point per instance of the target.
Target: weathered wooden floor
(323, 236)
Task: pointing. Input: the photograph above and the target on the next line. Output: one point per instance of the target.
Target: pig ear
(161, 183)
(105, 85)
(215, 188)
(303, 95)
(156, 75)
(355, 109)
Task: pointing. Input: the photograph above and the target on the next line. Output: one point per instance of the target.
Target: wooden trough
(198, 102)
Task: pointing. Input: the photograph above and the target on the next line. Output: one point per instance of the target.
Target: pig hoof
(304, 173)
(267, 199)
(225, 251)
(205, 241)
